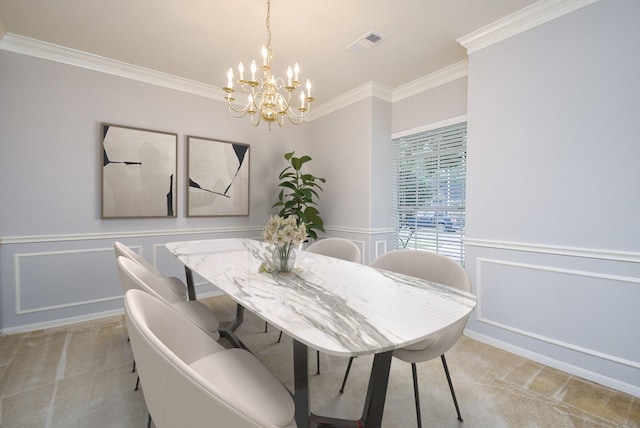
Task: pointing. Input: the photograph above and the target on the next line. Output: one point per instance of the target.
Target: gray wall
(437, 104)
(56, 252)
(353, 147)
(553, 212)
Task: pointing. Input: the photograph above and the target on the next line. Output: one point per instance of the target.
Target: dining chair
(431, 267)
(135, 276)
(121, 249)
(190, 380)
(338, 248)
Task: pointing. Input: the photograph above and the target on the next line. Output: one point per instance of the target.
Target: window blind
(429, 190)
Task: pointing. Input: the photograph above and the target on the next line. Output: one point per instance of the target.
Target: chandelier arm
(296, 120)
(233, 109)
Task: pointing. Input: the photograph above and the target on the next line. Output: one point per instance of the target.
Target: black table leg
(233, 325)
(373, 404)
(377, 390)
(190, 287)
(301, 383)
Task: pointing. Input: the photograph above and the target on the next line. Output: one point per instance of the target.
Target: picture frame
(217, 178)
(139, 172)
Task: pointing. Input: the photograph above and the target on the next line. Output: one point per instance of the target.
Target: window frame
(430, 211)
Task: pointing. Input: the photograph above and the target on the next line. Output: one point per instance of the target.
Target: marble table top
(334, 306)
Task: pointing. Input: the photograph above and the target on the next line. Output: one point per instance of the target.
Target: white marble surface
(331, 305)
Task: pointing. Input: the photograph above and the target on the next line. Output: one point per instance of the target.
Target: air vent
(365, 43)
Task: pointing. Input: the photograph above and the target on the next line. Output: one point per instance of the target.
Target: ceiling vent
(365, 43)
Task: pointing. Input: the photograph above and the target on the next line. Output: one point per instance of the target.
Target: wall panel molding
(592, 253)
(19, 284)
(481, 317)
(35, 239)
(256, 230)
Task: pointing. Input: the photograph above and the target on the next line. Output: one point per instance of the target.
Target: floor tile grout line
(62, 365)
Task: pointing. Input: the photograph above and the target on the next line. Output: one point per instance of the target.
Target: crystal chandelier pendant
(269, 99)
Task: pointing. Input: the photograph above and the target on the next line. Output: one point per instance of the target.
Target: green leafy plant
(298, 195)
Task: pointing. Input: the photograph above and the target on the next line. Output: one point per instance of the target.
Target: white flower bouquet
(285, 234)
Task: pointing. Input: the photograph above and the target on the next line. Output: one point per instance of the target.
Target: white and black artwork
(218, 174)
(138, 172)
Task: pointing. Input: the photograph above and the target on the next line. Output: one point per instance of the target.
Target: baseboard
(60, 322)
(550, 362)
(74, 320)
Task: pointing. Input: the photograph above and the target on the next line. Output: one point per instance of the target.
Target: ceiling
(200, 39)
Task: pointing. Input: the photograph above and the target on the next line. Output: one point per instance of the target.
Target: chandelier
(269, 98)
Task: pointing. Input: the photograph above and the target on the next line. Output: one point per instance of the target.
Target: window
(430, 186)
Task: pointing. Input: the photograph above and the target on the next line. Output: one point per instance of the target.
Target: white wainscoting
(53, 280)
(544, 296)
(61, 279)
(575, 309)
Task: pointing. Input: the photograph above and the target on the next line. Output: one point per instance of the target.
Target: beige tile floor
(80, 376)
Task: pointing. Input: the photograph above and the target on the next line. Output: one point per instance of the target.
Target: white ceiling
(200, 39)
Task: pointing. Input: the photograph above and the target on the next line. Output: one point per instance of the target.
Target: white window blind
(430, 188)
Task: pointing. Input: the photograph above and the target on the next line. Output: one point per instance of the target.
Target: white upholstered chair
(176, 285)
(190, 380)
(437, 268)
(336, 247)
(133, 275)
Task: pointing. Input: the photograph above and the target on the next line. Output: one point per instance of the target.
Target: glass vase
(284, 259)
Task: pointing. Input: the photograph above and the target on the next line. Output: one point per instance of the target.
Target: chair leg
(416, 395)
(265, 326)
(453, 394)
(137, 384)
(318, 362)
(133, 370)
(280, 337)
(149, 421)
(346, 374)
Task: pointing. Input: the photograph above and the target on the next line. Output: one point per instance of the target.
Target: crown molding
(27, 46)
(519, 22)
(368, 90)
(433, 80)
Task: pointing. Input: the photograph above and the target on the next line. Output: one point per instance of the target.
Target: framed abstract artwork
(138, 172)
(218, 174)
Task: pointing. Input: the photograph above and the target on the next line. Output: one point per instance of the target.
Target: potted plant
(298, 195)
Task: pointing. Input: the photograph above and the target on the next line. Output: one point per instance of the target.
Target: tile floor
(80, 376)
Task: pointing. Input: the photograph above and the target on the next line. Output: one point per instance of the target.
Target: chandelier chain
(269, 25)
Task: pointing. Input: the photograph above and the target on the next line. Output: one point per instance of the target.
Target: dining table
(327, 304)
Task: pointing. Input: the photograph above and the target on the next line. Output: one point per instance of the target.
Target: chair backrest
(431, 267)
(124, 251)
(170, 354)
(133, 275)
(336, 247)
(425, 265)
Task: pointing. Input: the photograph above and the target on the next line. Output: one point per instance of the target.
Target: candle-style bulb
(302, 99)
(296, 70)
(230, 78)
(289, 75)
(241, 70)
(253, 70)
(308, 88)
(264, 55)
